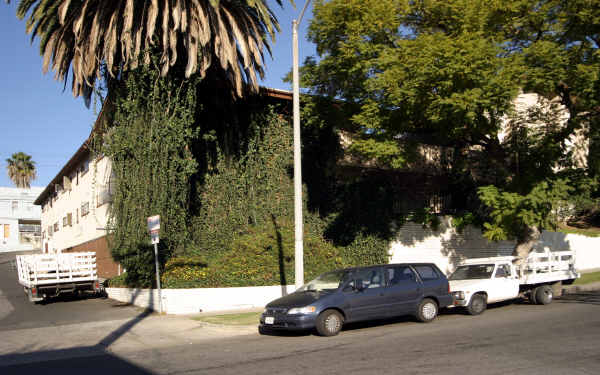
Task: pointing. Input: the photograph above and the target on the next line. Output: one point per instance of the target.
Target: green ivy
(148, 142)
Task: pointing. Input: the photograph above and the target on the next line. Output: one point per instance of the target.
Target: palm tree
(21, 169)
(102, 39)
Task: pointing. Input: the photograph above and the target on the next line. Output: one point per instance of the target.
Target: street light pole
(298, 223)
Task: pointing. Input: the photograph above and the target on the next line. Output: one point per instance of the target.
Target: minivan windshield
(328, 281)
(473, 271)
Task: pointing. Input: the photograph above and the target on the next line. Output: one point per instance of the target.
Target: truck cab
(481, 281)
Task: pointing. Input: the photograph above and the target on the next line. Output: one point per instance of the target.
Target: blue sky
(40, 119)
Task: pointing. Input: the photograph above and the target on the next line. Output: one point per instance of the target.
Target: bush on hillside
(261, 256)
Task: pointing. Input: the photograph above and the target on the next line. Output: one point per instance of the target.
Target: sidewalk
(147, 331)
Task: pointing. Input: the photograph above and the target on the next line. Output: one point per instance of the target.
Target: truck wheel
(427, 310)
(329, 323)
(543, 295)
(477, 305)
(532, 293)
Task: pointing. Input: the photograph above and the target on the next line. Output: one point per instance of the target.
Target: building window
(70, 219)
(50, 231)
(56, 227)
(6, 230)
(77, 215)
(103, 196)
(15, 205)
(65, 222)
(85, 208)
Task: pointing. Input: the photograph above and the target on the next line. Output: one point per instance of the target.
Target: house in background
(19, 219)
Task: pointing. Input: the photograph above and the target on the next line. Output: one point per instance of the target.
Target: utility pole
(298, 223)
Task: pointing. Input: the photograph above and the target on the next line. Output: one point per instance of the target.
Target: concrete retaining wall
(190, 301)
(446, 247)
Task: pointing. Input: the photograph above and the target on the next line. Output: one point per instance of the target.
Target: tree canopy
(450, 70)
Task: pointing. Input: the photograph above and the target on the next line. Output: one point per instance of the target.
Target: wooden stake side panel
(43, 269)
(548, 266)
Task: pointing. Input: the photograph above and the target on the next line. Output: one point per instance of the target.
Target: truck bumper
(459, 303)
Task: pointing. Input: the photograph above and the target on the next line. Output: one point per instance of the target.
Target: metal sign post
(154, 228)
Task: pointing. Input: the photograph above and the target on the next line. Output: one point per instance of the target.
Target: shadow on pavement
(84, 360)
(592, 298)
(71, 297)
(93, 359)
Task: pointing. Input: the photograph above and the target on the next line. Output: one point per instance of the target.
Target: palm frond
(86, 35)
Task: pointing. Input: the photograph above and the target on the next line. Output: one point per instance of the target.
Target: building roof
(84, 151)
(20, 193)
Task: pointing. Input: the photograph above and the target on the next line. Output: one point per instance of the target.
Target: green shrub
(241, 193)
(261, 256)
(366, 250)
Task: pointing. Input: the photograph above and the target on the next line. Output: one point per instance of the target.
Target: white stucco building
(19, 219)
(75, 207)
(75, 204)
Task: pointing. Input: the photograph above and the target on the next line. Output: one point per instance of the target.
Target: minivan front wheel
(427, 310)
(329, 323)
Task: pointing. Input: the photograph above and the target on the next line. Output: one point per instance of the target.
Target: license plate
(269, 320)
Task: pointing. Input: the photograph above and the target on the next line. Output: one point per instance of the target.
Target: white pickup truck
(48, 275)
(480, 281)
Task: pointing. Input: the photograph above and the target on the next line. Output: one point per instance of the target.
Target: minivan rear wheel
(329, 323)
(427, 310)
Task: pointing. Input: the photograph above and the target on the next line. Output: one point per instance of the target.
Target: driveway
(16, 312)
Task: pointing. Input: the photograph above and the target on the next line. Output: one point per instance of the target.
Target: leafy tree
(95, 38)
(21, 169)
(449, 71)
(523, 216)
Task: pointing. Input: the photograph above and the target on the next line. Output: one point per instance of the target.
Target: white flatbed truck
(48, 275)
(477, 282)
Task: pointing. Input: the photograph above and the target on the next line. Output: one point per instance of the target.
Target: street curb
(228, 326)
(574, 289)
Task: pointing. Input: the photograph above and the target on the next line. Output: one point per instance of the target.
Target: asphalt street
(517, 338)
(562, 338)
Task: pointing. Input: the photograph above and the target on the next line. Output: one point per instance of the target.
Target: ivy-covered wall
(219, 173)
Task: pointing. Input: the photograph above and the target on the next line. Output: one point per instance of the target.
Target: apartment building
(75, 207)
(19, 219)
